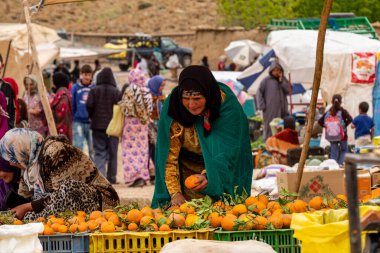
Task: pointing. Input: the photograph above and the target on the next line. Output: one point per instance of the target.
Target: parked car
(140, 46)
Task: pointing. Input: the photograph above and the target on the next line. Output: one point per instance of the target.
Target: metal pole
(353, 206)
(290, 95)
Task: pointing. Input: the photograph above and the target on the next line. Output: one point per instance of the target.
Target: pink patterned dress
(136, 106)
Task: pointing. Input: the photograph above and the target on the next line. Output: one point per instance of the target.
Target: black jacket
(101, 100)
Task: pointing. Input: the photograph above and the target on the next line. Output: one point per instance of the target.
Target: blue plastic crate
(65, 243)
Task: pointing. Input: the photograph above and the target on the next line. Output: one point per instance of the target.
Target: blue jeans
(338, 150)
(82, 133)
(105, 158)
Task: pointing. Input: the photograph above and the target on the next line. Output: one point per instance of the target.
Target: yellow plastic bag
(325, 231)
(115, 127)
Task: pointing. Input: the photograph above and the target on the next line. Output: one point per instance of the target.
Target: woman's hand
(21, 210)
(178, 199)
(202, 181)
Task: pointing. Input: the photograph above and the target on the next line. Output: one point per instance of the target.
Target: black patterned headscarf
(195, 80)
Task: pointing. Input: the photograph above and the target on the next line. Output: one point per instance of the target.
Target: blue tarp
(376, 101)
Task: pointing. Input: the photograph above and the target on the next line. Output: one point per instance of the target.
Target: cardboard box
(364, 183)
(316, 183)
(375, 176)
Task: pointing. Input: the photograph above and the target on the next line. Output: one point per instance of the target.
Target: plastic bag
(196, 246)
(21, 238)
(325, 231)
(115, 127)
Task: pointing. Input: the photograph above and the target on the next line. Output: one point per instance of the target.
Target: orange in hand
(191, 182)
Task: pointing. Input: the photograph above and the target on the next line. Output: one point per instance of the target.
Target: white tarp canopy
(296, 52)
(15, 38)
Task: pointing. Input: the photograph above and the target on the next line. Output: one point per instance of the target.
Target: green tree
(251, 13)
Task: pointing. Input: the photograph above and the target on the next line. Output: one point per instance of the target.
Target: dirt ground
(142, 195)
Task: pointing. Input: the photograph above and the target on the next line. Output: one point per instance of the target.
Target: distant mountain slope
(119, 16)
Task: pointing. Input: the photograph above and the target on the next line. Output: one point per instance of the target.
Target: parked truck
(142, 46)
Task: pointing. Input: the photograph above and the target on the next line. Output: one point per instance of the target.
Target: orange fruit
(114, 219)
(134, 215)
(108, 213)
(17, 222)
(239, 209)
(41, 219)
(215, 219)
(81, 214)
(73, 228)
(82, 227)
(185, 208)
(100, 220)
(177, 220)
(257, 207)
(107, 227)
(291, 207)
(48, 230)
(75, 220)
(63, 229)
(60, 221)
(342, 197)
(250, 201)
(147, 211)
(300, 206)
(273, 206)
(191, 182)
(260, 222)
(152, 227)
(133, 226)
(55, 227)
(316, 203)
(146, 220)
(264, 199)
(286, 219)
(219, 205)
(165, 227)
(95, 215)
(247, 220)
(276, 221)
(156, 212)
(191, 219)
(92, 225)
(228, 222)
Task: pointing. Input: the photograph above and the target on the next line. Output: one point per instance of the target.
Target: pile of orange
(255, 212)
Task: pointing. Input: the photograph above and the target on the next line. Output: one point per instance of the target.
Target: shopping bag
(325, 231)
(115, 127)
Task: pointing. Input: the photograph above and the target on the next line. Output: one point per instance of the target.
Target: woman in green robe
(202, 131)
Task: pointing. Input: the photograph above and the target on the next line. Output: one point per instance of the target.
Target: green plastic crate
(281, 240)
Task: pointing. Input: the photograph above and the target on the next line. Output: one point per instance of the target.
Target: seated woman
(56, 176)
(9, 181)
(279, 144)
(202, 131)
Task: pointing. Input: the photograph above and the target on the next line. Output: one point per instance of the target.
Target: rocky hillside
(119, 16)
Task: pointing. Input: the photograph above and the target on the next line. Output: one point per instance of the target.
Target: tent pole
(316, 83)
(7, 57)
(40, 80)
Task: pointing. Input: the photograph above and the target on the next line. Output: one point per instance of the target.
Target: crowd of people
(199, 130)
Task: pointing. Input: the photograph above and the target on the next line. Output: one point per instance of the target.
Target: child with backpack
(335, 122)
(364, 126)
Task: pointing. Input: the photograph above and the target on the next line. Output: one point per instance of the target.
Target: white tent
(14, 48)
(296, 50)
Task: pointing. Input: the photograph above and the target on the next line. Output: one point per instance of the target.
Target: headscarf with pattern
(22, 146)
(136, 100)
(33, 89)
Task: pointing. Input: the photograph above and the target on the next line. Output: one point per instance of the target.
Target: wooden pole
(40, 80)
(7, 57)
(316, 83)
